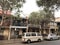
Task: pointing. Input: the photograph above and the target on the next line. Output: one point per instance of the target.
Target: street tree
(45, 18)
(52, 4)
(10, 4)
(49, 5)
(41, 18)
(33, 18)
(6, 5)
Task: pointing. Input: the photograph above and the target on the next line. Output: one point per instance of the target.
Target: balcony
(6, 23)
(19, 23)
(34, 26)
(52, 25)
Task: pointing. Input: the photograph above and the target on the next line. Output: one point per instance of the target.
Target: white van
(31, 36)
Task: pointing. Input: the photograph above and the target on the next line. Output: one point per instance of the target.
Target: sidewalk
(10, 41)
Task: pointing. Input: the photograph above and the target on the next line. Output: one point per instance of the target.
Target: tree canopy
(33, 18)
(41, 18)
(52, 4)
(10, 4)
(49, 7)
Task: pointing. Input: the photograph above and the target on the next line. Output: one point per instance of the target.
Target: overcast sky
(31, 6)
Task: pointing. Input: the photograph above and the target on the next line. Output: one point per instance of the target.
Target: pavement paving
(10, 41)
(19, 42)
(54, 42)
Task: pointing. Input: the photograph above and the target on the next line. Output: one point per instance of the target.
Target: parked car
(51, 36)
(31, 36)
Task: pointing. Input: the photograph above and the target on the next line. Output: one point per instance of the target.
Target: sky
(57, 13)
(31, 6)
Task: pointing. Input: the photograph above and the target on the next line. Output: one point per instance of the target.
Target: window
(0, 19)
(1, 32)
(33, 34)
(2, 29)
(16, 22)
(27, 34)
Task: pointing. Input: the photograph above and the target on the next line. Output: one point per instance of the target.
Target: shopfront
(17, 31)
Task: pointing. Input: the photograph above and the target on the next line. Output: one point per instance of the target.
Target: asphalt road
(55, 42)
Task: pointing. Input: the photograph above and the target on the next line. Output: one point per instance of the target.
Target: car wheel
(28, 41)
(39, 40)
(51, 38)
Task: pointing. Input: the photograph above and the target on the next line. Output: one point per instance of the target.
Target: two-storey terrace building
(14, 27)
(11, 26)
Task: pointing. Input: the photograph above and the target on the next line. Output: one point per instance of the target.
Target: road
(55, 42)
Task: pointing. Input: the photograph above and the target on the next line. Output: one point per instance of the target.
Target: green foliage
(33, 18)
(10, 4)
(49, 3)
(49, 7)
(41, 18)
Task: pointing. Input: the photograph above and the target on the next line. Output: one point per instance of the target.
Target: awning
(18, 26)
